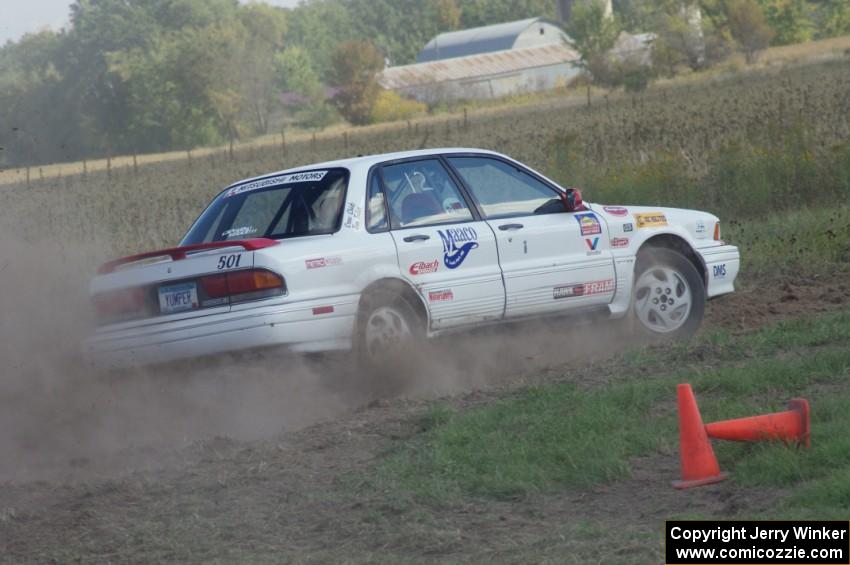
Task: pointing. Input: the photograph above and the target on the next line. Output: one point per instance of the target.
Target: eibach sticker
(321, 262)
(424, 268)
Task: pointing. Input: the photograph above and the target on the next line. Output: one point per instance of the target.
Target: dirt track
(249, 458)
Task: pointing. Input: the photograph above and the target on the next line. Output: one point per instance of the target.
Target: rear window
(283, 206)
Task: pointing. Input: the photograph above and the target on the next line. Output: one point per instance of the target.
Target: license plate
(178, 297)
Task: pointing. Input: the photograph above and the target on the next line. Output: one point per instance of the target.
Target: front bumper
(722, 263)
(304, 326)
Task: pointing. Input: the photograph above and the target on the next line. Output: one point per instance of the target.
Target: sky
(18, 17)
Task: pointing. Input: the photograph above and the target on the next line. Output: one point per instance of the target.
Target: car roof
(369, 160)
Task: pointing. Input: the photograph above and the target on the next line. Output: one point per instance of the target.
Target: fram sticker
(311, 176)
(650, 220)
(444, 295)
(620, 242)
(424, 268)
(457, 244)
(616, 210)
(583, 289)
(320, 262)
(588, 223)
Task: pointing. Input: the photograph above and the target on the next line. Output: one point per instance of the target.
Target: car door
(448, 253)
(551, 259)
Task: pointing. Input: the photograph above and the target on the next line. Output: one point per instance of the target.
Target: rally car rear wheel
(668, 301)
(389, 331)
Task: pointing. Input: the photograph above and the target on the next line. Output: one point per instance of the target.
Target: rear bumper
(296, 326)
(721, 268)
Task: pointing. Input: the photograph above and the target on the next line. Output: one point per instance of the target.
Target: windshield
(289, 205)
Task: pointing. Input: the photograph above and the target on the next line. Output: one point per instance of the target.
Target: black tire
(394, 358)
(663, 280)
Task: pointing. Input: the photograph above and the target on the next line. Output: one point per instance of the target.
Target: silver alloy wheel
(386, 330)
(662, 299)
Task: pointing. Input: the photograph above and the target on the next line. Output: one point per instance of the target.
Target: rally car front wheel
(668, 301)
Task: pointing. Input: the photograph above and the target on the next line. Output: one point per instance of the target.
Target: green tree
(356, 65)
(833, 18)
(592, 34)
(747, 25)
(789, 19)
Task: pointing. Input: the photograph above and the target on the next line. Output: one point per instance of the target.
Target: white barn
(487, 62)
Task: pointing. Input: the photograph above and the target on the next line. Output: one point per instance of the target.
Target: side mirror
(572, 200)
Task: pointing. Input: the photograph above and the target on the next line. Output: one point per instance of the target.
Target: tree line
(137, 76)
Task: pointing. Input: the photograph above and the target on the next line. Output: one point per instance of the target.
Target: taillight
(243, 285)
(717, 231)
(119, 303)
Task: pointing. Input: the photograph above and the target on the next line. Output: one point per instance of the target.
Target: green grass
(565, 436)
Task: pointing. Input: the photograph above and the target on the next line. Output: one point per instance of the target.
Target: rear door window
(422, 193)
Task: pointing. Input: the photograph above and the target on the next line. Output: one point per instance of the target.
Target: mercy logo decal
(589, 224)
(457, 243)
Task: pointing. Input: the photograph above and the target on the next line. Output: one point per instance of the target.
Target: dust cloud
(60, 420)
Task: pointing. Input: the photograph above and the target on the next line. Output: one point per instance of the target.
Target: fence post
(465, 118)
(283, 141)
(40, 174)
(345, 137)
(135, 165)
(85, 168)
(109, 166)
(313, 143)
(28, 176)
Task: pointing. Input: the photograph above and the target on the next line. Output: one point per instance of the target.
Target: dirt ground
(252, 458)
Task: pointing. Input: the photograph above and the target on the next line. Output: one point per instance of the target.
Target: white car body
(513, 268)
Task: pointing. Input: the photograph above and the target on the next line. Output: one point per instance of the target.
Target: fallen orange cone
(699, 465)
(789, 426)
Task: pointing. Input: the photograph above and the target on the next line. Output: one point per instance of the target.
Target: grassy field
(741, 145)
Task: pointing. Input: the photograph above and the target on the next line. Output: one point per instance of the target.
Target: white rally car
(369, 252)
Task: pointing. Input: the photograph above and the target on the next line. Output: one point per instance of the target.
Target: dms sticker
(457, 244)
(441, 295)
(720, 271)
(312, 176)
(424, 268)
(589, 224)
(620, 242)
(650, 220)
(616, 210)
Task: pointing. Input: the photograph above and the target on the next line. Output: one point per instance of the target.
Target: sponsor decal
(616, 210)
(444, 295)
(424, 268)
(650, 220)
(319, 310)
(589, 223)
(720, 271)
(628, 227)
(457, 244)
(352, 216)
(620, 242)
(568, 291)
(699, 230)
(311, 176)
(592, 244)
(238, 232)
(321, 262)
(584, 289)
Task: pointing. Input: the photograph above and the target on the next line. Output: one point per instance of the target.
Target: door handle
(506, 227)
(418, 237)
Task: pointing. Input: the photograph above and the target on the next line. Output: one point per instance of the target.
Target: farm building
(487, 62)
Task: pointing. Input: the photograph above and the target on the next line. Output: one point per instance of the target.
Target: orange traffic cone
(699, 465)
(790, 426)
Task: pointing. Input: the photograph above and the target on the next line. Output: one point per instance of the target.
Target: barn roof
(476, 66)
(485, 39)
